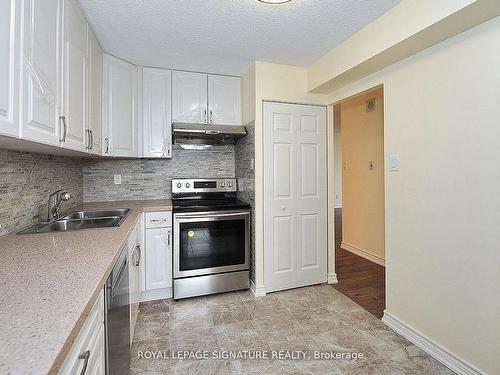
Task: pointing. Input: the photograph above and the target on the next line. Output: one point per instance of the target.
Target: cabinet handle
(87, 141)
(168, 238)
(211, 117)
(91, 139)
(65, 128)
(157, 220)
(138, 261)
(85, 356)
(107, 145)
(205, 114)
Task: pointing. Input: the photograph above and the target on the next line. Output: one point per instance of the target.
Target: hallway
(359, 279)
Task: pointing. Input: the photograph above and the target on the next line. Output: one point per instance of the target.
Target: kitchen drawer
(90, 342)
(158, 219)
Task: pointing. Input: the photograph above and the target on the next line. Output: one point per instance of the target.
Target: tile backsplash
(244, 160)
(26, 180)
(150, 178)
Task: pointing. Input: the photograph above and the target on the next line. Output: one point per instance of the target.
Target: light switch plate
(394, 165)
(117, 178)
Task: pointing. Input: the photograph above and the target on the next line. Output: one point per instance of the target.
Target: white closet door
(224, 100)
(189, 97)
(295, 191)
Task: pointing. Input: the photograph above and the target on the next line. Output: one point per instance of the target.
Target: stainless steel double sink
(86, 219)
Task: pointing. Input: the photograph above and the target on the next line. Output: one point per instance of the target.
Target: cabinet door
(189, 97)
(94, 89)
(89, 345)
(74, 78)
(156, 112)
(9, 61)
(224, 100)
(40, 71)
(120, 108)
(158, 258)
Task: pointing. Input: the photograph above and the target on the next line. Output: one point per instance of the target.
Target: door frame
(332, 275)
(328, 123)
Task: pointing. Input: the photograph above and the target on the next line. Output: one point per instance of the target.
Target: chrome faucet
(54, 202)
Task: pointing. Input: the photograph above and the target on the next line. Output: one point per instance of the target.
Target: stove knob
(230, 184)
(179, 185)
(222, 184)
(188, 185)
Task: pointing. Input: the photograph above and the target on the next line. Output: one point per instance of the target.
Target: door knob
(283, 207)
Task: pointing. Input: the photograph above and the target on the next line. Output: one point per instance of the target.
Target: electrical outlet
(337, 196)
(117, 178)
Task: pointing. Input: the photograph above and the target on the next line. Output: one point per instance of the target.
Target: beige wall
(442, 116)
(273, 82)
(409, 27)
(248, 95)
(363, 188)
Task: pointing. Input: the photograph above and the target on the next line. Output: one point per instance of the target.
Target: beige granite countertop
(48, 284)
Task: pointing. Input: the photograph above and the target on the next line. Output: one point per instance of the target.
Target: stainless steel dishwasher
(118, 318)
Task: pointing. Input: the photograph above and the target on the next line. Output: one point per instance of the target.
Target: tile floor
(316, 318)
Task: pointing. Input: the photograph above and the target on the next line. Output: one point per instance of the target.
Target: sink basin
(78, 220)
(94, 214)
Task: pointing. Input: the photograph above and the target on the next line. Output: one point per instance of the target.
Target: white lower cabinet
(158, 258)
(88, 350)
(158, 251)
(136, 274)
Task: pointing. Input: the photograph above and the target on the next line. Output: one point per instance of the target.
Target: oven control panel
(199, 185)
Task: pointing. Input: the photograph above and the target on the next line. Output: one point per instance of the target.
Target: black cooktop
(199, 205)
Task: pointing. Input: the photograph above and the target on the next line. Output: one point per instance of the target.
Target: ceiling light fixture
(274, 1)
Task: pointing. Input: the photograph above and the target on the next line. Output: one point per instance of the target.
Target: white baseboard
(362, 253)
(257, 292)
(440, 353)
(154, 294)
(332, 278)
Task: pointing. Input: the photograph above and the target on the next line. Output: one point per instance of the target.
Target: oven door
(211, 242)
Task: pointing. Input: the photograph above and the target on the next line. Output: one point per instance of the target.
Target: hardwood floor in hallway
(359, 279)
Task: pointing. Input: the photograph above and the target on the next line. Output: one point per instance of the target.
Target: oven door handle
(195, 215)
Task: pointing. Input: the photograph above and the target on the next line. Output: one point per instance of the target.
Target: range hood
(202, 136)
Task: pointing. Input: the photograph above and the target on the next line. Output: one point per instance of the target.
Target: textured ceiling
(225, 36)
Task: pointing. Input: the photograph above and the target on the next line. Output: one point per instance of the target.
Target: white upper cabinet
(206, 98)
(189, 97)
(9, 62)
(40, 63)
(94, 91)
(156, 113)
(120, 130)
(224, 100)
(73, 108)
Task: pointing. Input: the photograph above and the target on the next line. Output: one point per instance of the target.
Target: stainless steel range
(211, 237)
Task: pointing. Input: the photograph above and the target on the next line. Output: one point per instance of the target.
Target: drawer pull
(85, 356)
(158, 220)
